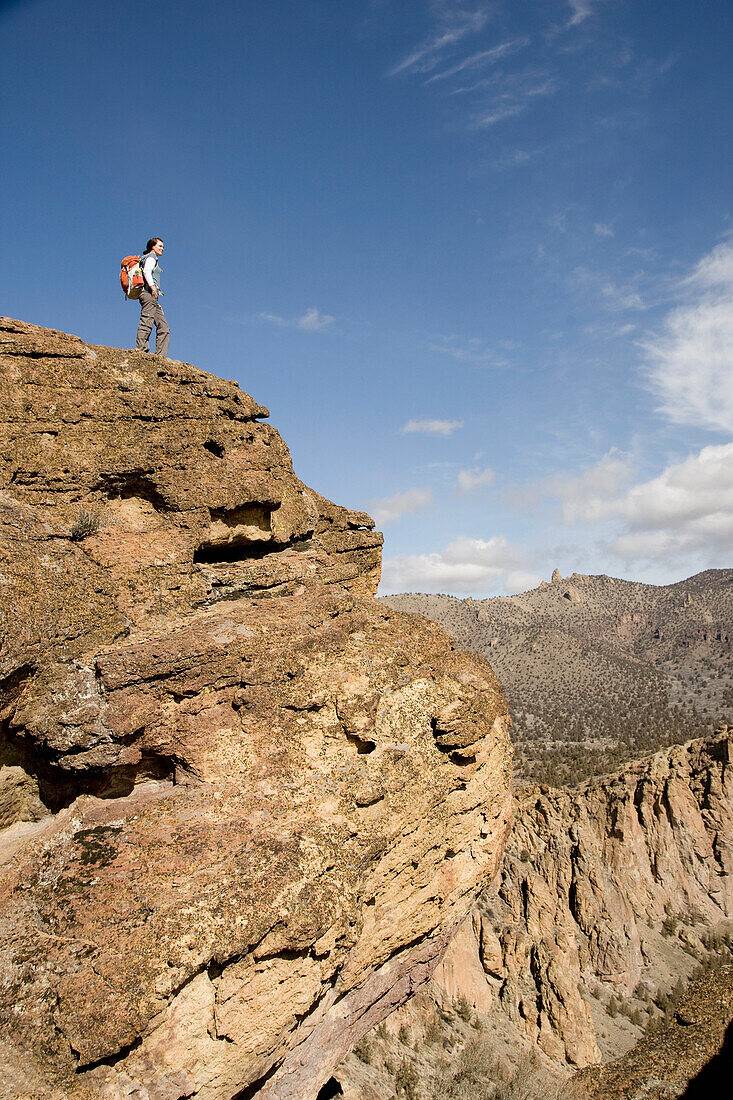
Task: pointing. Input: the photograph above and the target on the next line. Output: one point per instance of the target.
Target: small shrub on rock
(363, 1051)
(669, 924)
(406, 1081)
(433, 1031)
(84, 525)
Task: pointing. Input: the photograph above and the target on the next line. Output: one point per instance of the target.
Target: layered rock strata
(243, 805)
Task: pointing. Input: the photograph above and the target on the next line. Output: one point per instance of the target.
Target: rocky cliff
(608, 899)
(243, 805)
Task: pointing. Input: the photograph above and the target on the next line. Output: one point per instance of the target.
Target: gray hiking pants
(151, 313)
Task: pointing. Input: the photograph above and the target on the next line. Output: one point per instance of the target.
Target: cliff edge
(243, 806)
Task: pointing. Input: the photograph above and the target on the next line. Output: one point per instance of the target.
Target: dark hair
(151, 242)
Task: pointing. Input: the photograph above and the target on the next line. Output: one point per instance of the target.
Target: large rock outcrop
(243, 805)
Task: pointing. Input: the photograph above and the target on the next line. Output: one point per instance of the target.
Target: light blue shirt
(151, 270)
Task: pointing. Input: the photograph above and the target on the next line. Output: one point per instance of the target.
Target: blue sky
(476, 256)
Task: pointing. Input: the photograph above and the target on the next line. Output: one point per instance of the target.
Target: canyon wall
(609, 897)
(243, 806)
(606, 898)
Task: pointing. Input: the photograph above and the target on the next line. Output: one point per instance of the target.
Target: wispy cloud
(518, 93)
(465, 565)
(456, 22)
(471, 481)
(513, 158)
(481, 58)
(311, 321)
(602, 230)
(618, 297)
(432, 427)
(631, 73)
(580, 11)
(690, 361)
(472, 351)
(585, 497)
(385, 510)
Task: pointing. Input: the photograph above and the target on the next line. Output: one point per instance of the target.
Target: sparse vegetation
(669, 924)
(433, 1031)
(85, 524)
(478, 1075)
(627, 670)
(406, 1081)
(363, 1051)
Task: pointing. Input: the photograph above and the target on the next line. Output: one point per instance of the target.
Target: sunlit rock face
(243, 806)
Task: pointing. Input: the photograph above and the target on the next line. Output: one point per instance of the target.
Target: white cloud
(388, 509)
(311, 321)
(715, 269)
(684, 512)
(470, 481)
(692, 498)
(519, 580)
(602, 230)
(432, 427)
(465, 565)
(593, 495)
(690, 362)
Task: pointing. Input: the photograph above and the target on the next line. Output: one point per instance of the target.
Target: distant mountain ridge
(598, 669)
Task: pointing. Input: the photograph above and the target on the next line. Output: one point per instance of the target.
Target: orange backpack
(131, 277)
